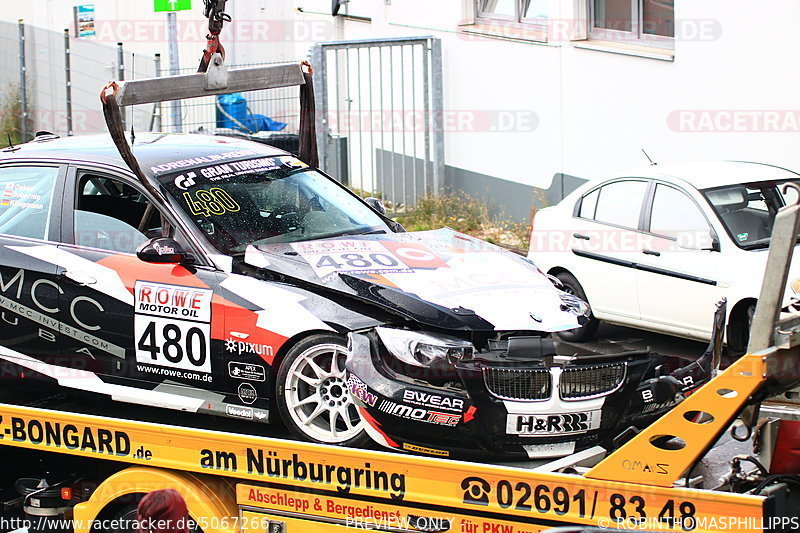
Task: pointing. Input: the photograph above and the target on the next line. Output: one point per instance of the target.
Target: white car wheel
(313, 395)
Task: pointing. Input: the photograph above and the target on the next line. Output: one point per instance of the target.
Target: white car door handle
(81, 278)
(651, 252)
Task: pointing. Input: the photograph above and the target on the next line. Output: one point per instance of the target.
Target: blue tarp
(232, 113)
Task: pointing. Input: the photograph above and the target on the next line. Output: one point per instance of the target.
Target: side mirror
(376, 205)
(161, 250)
(698, 240)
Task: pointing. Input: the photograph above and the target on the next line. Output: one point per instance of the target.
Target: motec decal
(172, 326)
(419, 414)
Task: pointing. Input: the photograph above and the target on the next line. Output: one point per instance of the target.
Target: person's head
(162, 511)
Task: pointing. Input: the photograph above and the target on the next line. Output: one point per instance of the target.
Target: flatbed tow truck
(88, 463)
(97, 463)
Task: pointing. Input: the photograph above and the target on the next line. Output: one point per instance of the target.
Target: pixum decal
(240, 347)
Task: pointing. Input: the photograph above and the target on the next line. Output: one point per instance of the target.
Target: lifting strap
(308, 126)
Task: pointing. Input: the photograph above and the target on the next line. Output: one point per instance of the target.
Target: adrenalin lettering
(68, 436)
(344, 478)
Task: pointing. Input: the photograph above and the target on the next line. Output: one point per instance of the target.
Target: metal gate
(379, 116)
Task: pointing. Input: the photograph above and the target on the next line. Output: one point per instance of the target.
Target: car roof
(710, 174)
(150, 149)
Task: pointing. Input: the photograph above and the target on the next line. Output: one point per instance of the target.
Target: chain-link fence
(62, 77)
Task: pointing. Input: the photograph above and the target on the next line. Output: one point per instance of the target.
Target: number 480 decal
(173, 343)
(214, 201)
(174, 346)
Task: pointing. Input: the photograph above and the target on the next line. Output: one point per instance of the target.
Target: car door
(30, 337)
(680, 266)
(604, 243)
(148, 326)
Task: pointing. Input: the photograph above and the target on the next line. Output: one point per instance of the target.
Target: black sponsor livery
(240, 279)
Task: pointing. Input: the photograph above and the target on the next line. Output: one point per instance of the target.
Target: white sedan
(655, 249)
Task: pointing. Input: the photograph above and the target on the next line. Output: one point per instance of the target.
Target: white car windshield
(268, 200)
(748, 211)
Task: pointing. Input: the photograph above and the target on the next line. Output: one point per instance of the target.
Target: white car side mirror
(697, 240)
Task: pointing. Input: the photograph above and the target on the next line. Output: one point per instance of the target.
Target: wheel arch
(736, 314)
(555, 271)
(286, 347)
(206, 497)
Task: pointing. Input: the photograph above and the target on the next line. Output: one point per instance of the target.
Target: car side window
(26, 197)
(589, 204)
(673, 213)
(620, 203)
(111, 214)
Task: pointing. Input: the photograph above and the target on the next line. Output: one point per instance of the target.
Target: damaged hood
(439, 278)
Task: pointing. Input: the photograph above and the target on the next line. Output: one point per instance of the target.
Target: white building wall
(596, 110)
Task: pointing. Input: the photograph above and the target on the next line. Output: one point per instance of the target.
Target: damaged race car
(241, 282)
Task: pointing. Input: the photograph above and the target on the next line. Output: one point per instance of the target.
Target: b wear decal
(172, 326)
(433, 400)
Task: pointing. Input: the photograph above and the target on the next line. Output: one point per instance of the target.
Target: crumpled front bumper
(469, 419)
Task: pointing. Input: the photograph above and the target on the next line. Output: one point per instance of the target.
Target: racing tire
(586, 331)
(312, 394)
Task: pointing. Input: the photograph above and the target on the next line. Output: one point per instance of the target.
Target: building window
(646, 21)
(516, 11)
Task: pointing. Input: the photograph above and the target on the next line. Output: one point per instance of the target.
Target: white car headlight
(573, 304)
(423, 349)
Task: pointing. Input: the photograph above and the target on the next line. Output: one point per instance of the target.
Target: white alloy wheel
(316, 398)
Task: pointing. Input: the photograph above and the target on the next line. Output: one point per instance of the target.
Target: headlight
(573, 304)
(423, 349)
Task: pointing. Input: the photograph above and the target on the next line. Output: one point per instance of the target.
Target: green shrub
(467, 214)
(10, 116)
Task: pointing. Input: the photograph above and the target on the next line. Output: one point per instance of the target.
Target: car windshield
(268, 200)
(748, 211)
